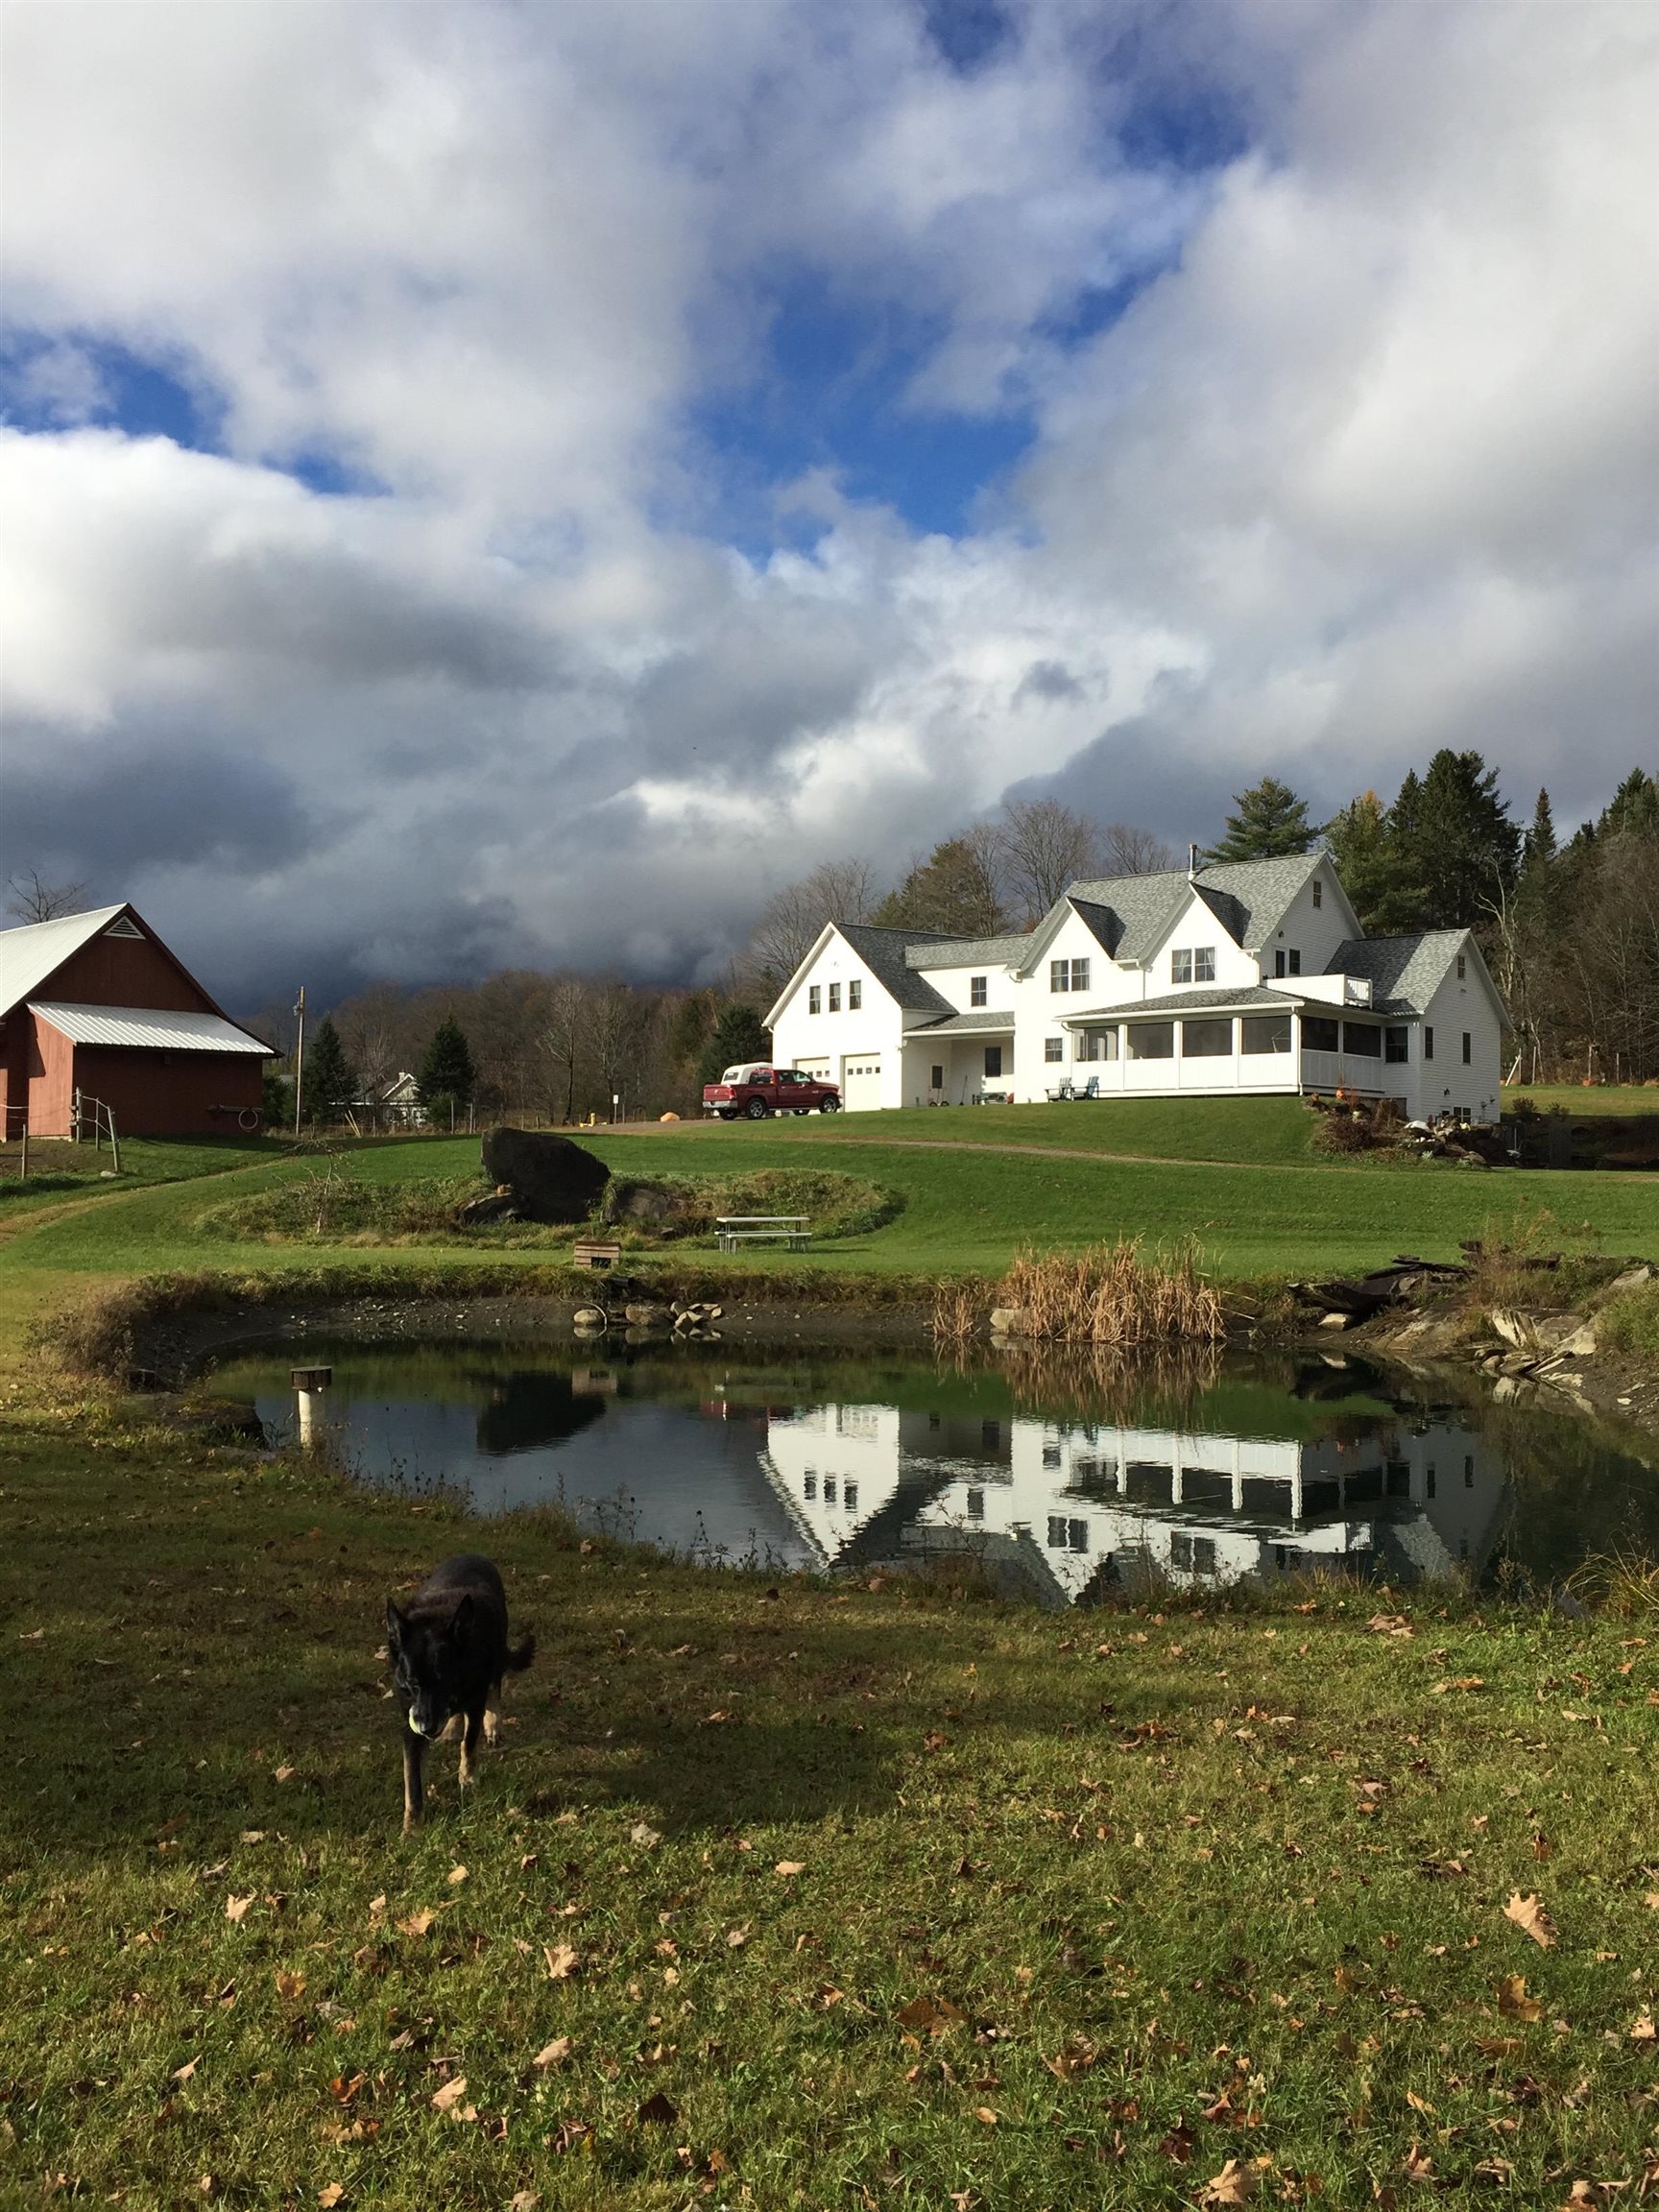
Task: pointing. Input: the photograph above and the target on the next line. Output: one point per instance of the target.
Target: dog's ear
(461, 1618)
(394, 1624)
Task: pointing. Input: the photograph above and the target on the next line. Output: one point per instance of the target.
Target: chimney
(1192, 863)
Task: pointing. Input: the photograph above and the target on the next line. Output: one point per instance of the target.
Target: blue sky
(528, 481)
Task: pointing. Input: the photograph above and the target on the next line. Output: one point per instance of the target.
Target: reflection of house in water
(1075, 1506)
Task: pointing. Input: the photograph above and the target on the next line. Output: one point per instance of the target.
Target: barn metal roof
(39, 948)
(148, 1025)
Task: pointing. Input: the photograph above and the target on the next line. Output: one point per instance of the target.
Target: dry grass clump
(1114, 1294)
(961, 1307)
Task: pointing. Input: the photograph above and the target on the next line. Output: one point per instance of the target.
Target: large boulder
(550, 1178)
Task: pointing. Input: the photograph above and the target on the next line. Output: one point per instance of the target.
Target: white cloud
(1368, 466)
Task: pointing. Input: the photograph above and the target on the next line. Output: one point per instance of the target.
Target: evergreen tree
(1538, 847)
(329, 1088)
(1362, 854)
(1634, 806)
(954, 891)
(1455, 842)
(1272, 821)
(275, 1101)
(737, 1035)
(446, 1077)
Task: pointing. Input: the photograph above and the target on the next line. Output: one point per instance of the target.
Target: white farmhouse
(1244, 979)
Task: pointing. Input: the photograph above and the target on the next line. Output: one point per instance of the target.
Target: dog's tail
(520, 1655)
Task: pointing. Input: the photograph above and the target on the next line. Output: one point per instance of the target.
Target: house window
(938, 1082)
(992, 1059)
(1295, 961)
(975, 1505)
(1053, 1047)
(1097, 1045)
(1363, 1039)
(1396, 1046)
(1051, 1457)
(1266, 1033)
(1079, 975)
(1151, 1040)
(829, 1489)
(1278, 963)
(1206, 1039)
(1319, 892)
(849, 1496)
(814, 998)
(809, 1487)
(977, 986)
(1462, 967)
(834, 997)
(854, 996)
(1204, 964)
(1067, 975)
(1065, 1536)
(1180, 967)
(1319, 1033)
(1427, 1044)
(1468, 1049)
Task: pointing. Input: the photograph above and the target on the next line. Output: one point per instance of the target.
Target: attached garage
(861, 1083)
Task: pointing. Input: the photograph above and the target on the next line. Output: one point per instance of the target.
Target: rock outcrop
(550, 1178)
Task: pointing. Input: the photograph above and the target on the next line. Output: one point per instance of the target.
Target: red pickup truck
(756, 1088)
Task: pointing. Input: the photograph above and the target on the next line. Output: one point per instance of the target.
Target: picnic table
(734, 1229)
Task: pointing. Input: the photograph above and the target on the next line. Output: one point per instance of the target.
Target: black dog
(449, 1651)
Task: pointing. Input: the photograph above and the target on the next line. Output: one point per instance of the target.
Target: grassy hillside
(1244, 1131)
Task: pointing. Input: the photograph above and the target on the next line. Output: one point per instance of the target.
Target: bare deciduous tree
(34, 899)
(1045, 846)
(790, 923)
(1127, 851)
(560, 1040)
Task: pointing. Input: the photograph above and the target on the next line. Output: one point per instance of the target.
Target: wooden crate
(597, 1256)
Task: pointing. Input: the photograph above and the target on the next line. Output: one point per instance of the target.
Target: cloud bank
(488, 486)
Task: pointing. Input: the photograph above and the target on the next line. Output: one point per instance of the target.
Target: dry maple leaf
(525, 2200)
(1643, 2030)
(446, 2099)
(417, 1923)
(283, 1773)
(185, 2071)
(562, 1961)
(1530, 1917)
(984, 2114)
(290, 1988)
(236, 1908)
(737, 1937)
(791, 1866)
(1513, 2000)
(556, 2053)
(1419, 2166)
(643, 1834)
(331, 2192)
(1235, 2184)
(930, 2015)
(456, 1876)
(660, 2110)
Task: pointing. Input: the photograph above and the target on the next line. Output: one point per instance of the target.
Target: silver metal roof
(149, 1026)
(39, 948)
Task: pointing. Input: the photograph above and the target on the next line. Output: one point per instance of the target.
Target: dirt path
(941, 1145)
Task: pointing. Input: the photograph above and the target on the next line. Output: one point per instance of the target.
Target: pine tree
(954, 891)
(329, 1088)
(1361, 854)
(1455, 842)
(737, 1035)
(1634, 806)
(446, 1077)
(1538, 847)
(1272, 821)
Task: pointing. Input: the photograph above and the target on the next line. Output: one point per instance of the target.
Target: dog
(449, 1654)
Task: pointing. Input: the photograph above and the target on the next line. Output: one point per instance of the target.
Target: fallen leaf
(283, 1773)
(1530, 1917)
(984, 2114)
(446, 2099)
(1419, 2166)
(525, 2200)
(253, 1834)
(791, 1866)
(1513, 2000)
(290, 1988)
(737, 1937)
(185, 2071)
(1382, 1625)
(1235, 2184)
(1643, 2030)
(236, 1908)
(1179, 2143)
(417, 1923)
(930, 2015)
(456, 1876)
(660, 2111)
(644, 1835)
(331, 2192)
(1419, 2104)
(556, 2053)
(562, 1961)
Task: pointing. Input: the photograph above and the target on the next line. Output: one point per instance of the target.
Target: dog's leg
(414, 1793)
(469, 1748)
(492, 1713)
(453, 1728)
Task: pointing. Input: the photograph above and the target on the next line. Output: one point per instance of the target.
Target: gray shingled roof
(1405, 972)
(883, 952)
(1248, 897)
(965, 952)
(968, 1024)
(1251, 998)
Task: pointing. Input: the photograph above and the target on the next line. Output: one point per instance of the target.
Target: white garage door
(861, 1086)
(820, 1068)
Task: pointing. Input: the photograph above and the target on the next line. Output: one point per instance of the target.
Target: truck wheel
(727, 1112)
(757, 1109)
(830, 1106)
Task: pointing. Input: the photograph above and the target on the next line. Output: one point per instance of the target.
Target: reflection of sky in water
(767, 1466)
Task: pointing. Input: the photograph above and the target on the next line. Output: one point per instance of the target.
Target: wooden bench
(734, 1229)
(598, 1257)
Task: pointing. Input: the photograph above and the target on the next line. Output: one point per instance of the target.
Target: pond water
(1066, 1475)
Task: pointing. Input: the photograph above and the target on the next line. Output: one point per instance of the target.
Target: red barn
(95, 1003)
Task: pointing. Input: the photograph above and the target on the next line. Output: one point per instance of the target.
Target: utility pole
(298, 1060)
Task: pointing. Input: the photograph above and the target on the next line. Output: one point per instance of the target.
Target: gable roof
(30, 954)
(964, 951)
(1405, 972)
(1248, 897)
(883, 952)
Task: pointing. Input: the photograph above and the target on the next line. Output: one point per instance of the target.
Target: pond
(1066, 1476)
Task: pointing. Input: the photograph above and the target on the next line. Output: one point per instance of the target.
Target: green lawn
(1247, 1131)
(791, 1898)
(60, 1171)
(1632, 1098)
(964, 1212)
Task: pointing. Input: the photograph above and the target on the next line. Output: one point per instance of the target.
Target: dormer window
(977, 986)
